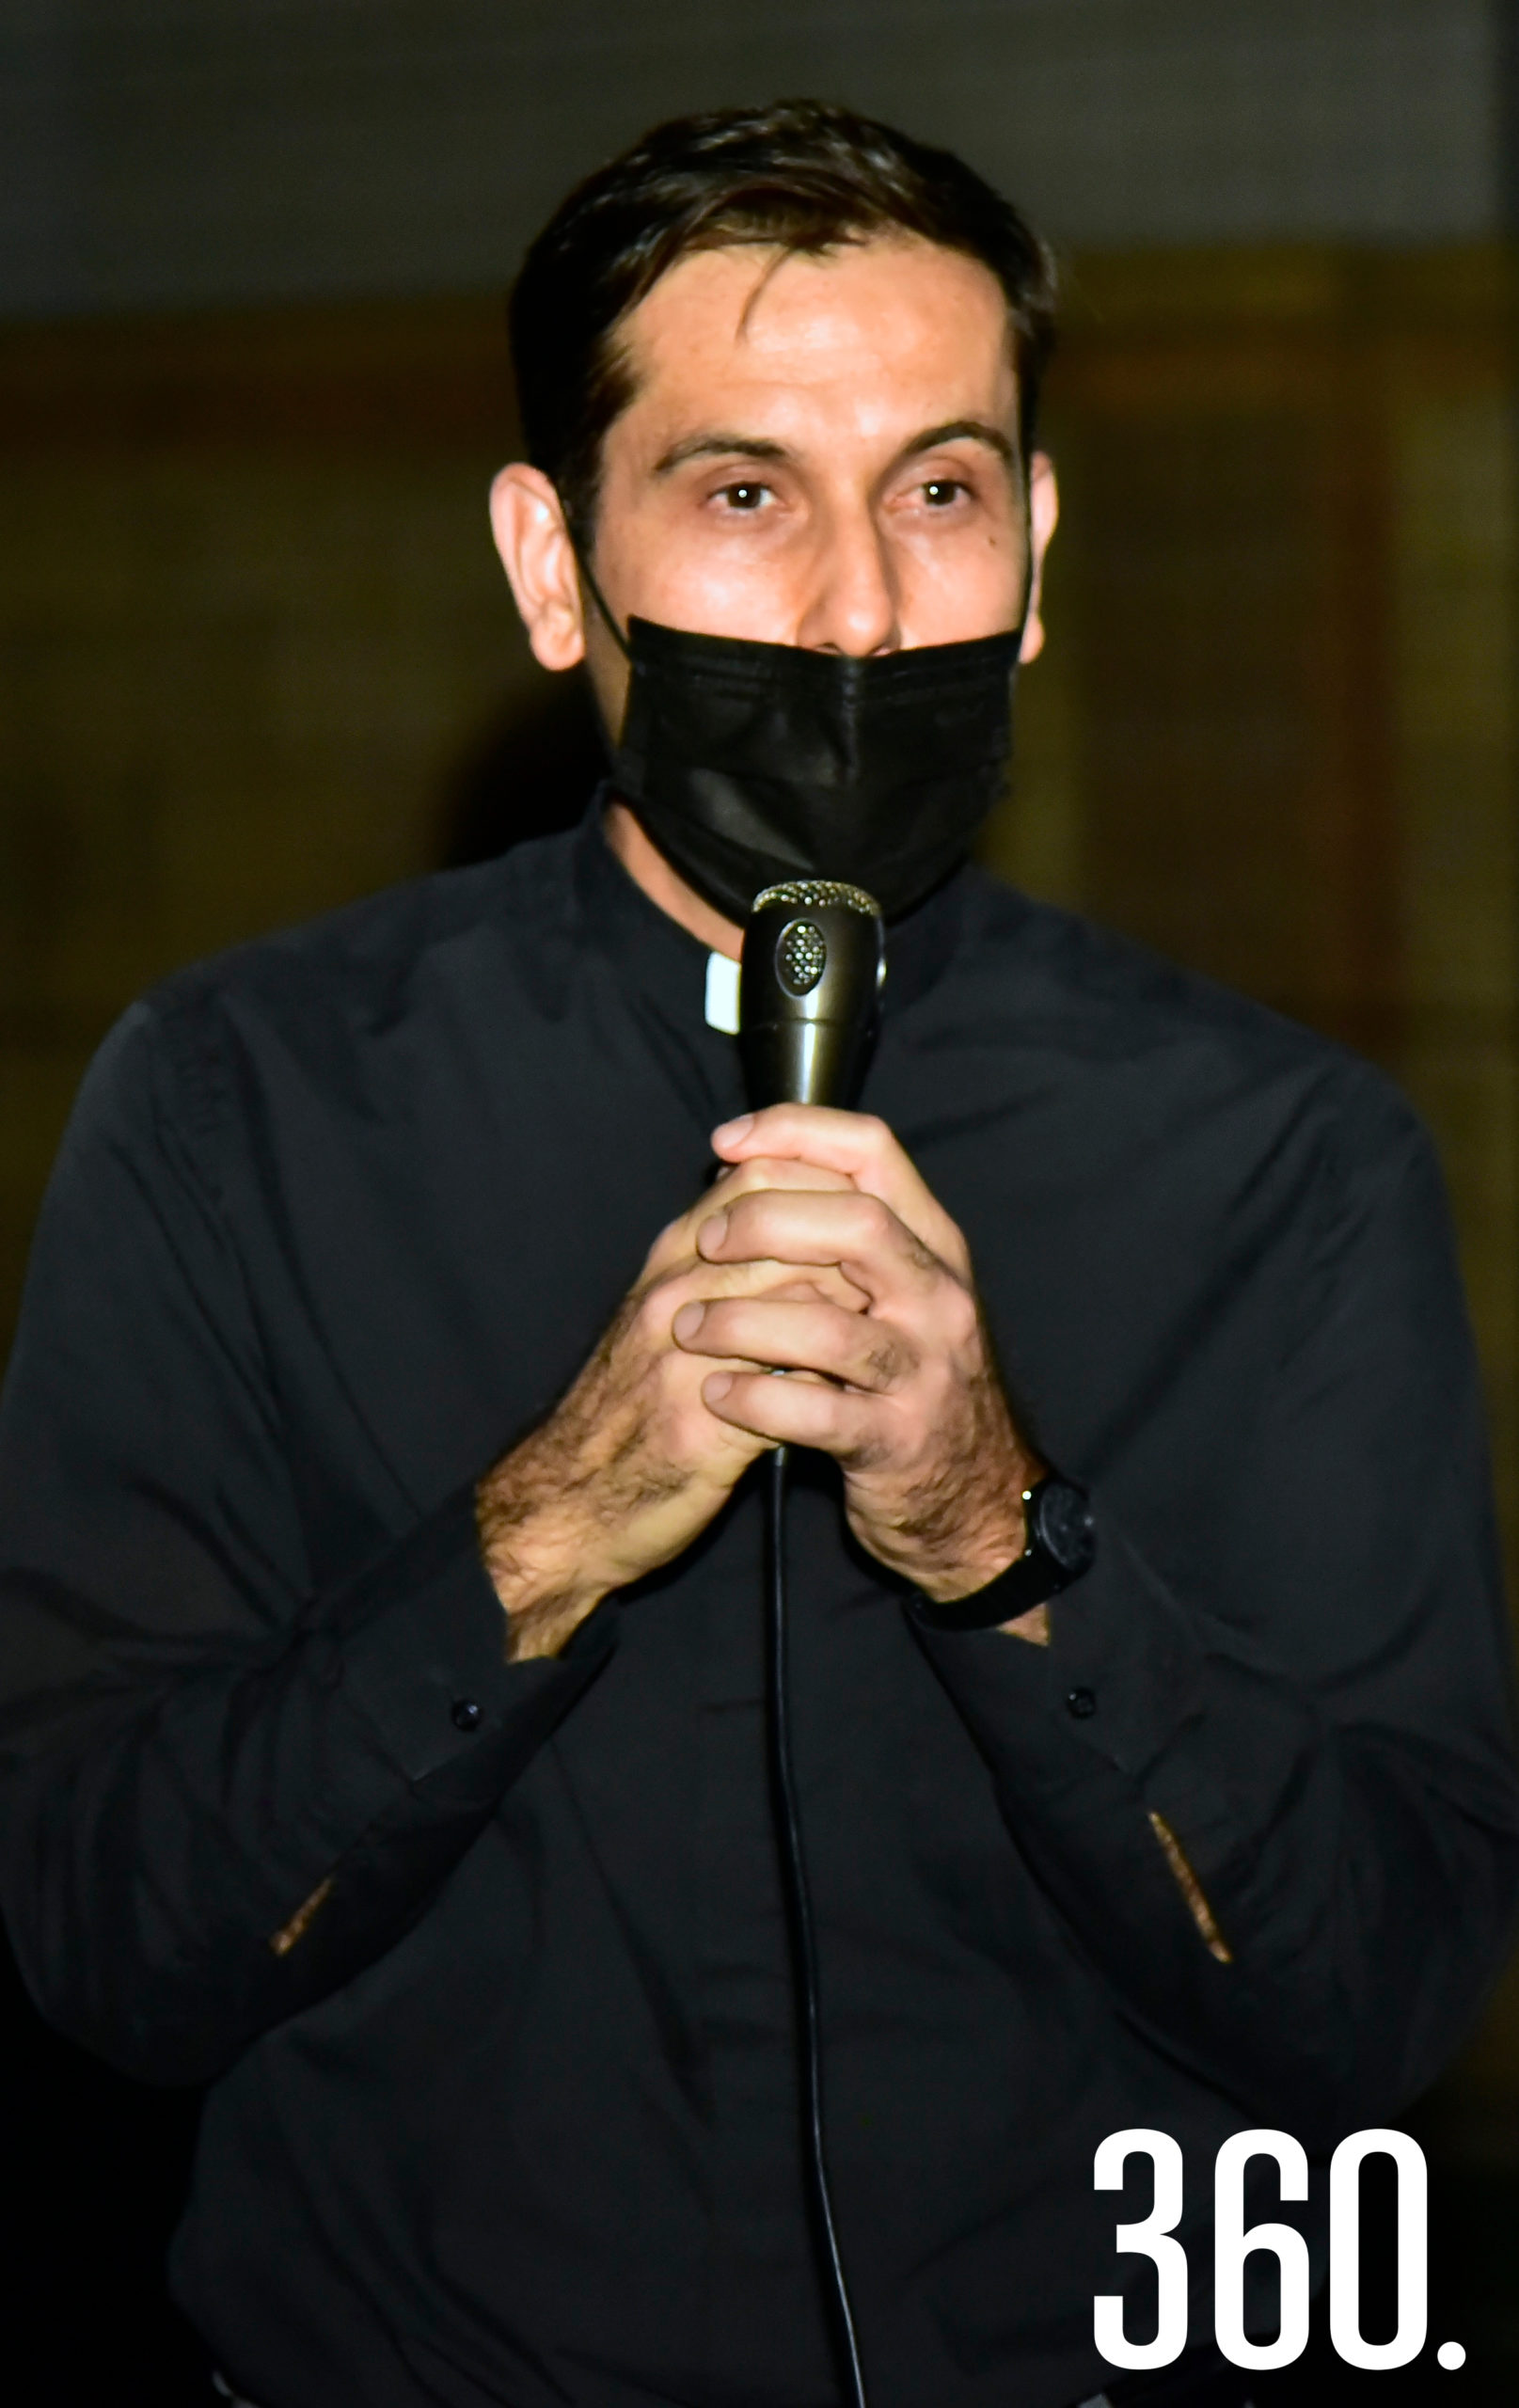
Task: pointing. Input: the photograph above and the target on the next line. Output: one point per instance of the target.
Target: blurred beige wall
(1274, 733)
(1274, 736)
(248, 616)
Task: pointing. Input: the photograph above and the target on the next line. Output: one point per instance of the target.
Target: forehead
(883, 330)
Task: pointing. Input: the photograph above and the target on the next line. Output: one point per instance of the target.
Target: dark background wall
(255, 656)
(196, 152)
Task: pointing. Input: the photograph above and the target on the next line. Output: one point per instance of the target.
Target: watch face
(1063, 1524)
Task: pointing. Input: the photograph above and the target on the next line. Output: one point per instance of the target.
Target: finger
(824, 1285)
(798, 1412)
(851, 1347)
(858, 1233)
(845, 1142)
(773, 1170)
(705, 1282)
(854, 1144)
(677, 1239)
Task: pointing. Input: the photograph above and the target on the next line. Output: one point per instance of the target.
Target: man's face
(819, 450)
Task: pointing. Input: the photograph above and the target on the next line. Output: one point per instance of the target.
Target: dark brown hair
(801, 175)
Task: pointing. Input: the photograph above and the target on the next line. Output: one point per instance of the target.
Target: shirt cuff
(1120, 1676)
(422, 1640)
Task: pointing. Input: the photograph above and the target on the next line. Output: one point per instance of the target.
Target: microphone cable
(799, 1912)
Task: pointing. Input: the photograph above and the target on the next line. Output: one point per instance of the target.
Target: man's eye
(940, 491)
(744, 496)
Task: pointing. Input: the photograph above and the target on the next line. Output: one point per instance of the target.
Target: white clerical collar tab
(722, 994)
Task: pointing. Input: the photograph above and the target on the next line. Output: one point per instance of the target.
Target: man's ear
(528, 523)
(1044, 512)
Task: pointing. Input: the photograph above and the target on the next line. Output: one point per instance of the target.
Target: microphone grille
(811, 894)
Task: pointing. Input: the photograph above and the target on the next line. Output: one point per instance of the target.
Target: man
(385, 1702)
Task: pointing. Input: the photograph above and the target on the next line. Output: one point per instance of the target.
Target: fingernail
(712, 1233)
(733, 1129)
(716, 1388)
(688, 1319)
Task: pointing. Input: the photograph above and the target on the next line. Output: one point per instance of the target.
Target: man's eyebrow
(719, 445)
(725, 445)
(957, 430)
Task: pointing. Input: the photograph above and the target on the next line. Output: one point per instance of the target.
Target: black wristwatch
(1060, 1546)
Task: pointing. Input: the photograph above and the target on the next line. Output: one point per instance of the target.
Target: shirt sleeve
(227, 1787)
(1276, 1808)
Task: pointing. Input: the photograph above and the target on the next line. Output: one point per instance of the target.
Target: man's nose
(854, 605)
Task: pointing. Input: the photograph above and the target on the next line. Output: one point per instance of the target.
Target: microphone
(809, 988)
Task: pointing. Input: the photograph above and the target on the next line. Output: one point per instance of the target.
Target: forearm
(533, 1557)
(190, 1862)
(542, 1544)
(1305, 1911)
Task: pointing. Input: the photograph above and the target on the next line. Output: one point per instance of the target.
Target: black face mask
(748, 764)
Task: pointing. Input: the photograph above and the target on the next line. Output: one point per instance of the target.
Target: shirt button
(464, 1714)
(1081, 1702)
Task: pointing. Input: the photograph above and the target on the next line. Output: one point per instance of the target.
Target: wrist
(1060, 1546)
(990, 1537)
(539, 1562)
(970, 1573)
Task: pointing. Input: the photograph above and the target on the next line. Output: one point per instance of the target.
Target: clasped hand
(819, 1252)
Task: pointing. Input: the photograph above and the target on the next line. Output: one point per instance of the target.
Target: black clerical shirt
(485, 1962)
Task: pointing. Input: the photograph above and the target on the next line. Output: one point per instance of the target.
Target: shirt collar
(663, 960)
